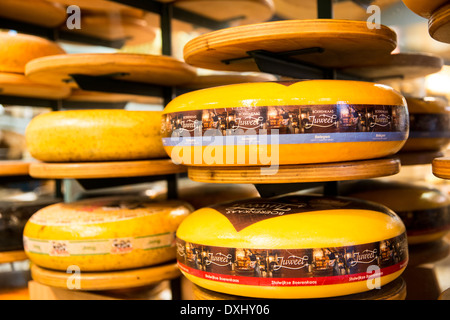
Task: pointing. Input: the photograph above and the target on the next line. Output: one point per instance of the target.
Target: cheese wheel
(429, 120)
(16, 50)
(95, 135)
(424, 8)
(425, 211)
(292, 247)
(291, 122)
(102, 234)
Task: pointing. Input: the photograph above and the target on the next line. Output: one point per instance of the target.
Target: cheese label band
(293, 267)
(291, 124)
(425, 221)
(66, 248)
(429, 125)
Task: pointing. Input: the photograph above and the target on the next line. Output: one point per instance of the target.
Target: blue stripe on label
(284, 139)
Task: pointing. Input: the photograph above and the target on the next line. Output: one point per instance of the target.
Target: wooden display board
(12, 256)
(441, 167)
(111, 169)
(14, 168)
(142, 68)
(399, 65)
(344, 44)
(339, 171)
(12, 84)
(96, 281)
(439, 24)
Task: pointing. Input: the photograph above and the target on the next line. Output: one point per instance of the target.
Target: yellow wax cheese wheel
(425, 211)
(292, 247)
(95, 135)
(102, 234)
(16, 50)
(286, 122)
(429, 120)
(424, 8)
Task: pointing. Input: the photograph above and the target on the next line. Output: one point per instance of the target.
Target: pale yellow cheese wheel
(424, 8)
(263, 105)
(425, 211)
(16, 50)
(102, 234)
(434, 112)
(95, 135)
(291, 247)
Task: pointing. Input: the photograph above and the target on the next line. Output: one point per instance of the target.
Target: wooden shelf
(93, 281)
(439, 24)
(325, 172)
(14, 168)
(98, 170)
(12, 256)
(418, 157)
(441, 167)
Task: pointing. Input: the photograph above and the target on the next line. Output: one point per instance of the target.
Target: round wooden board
(441, 167)
(12, 84)
(240, 11)
(445, 295)
(338, 171)
(345, 43)
(39, 12)
(107, 280)
(214, 80)
(400, 65)
(79, 95)
(14, 167)
(102, 6)
(135, 30)
(12, 256)
(97, 170)
(307, 9)
(395, 290)
(144, 68)
(439, 24)
(428, 252)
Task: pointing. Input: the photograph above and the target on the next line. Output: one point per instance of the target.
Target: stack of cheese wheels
(429, 120)
(290, 122)
(16, 50)
(438, 14)
(95, 135)
(292, 247)
(103, 234)
(424, 210)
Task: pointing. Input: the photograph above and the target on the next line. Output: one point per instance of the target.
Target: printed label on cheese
(293, 267)
(243, 213)
(294, 124)
(429, 125)
(66, 248)
(426, 221)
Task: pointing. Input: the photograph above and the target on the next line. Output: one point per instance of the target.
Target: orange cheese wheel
(291, 122)
(95, 135)
(292, 247)
(425, 211)
(102, 234)
(429, 120)
(16, 50)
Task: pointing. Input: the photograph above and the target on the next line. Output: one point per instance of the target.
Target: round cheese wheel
(429, 120)
(291, 122)
(102, 234)
(425, 211)
(292, 247)
(16, 50)
(424, 8)
(95, 135)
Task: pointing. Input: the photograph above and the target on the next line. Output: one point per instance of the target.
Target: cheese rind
(104, 234)
(16, 50)
(95, 135)
(292, 122)
(290, 247)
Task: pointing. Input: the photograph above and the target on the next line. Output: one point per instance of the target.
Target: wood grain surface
(439, 24)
